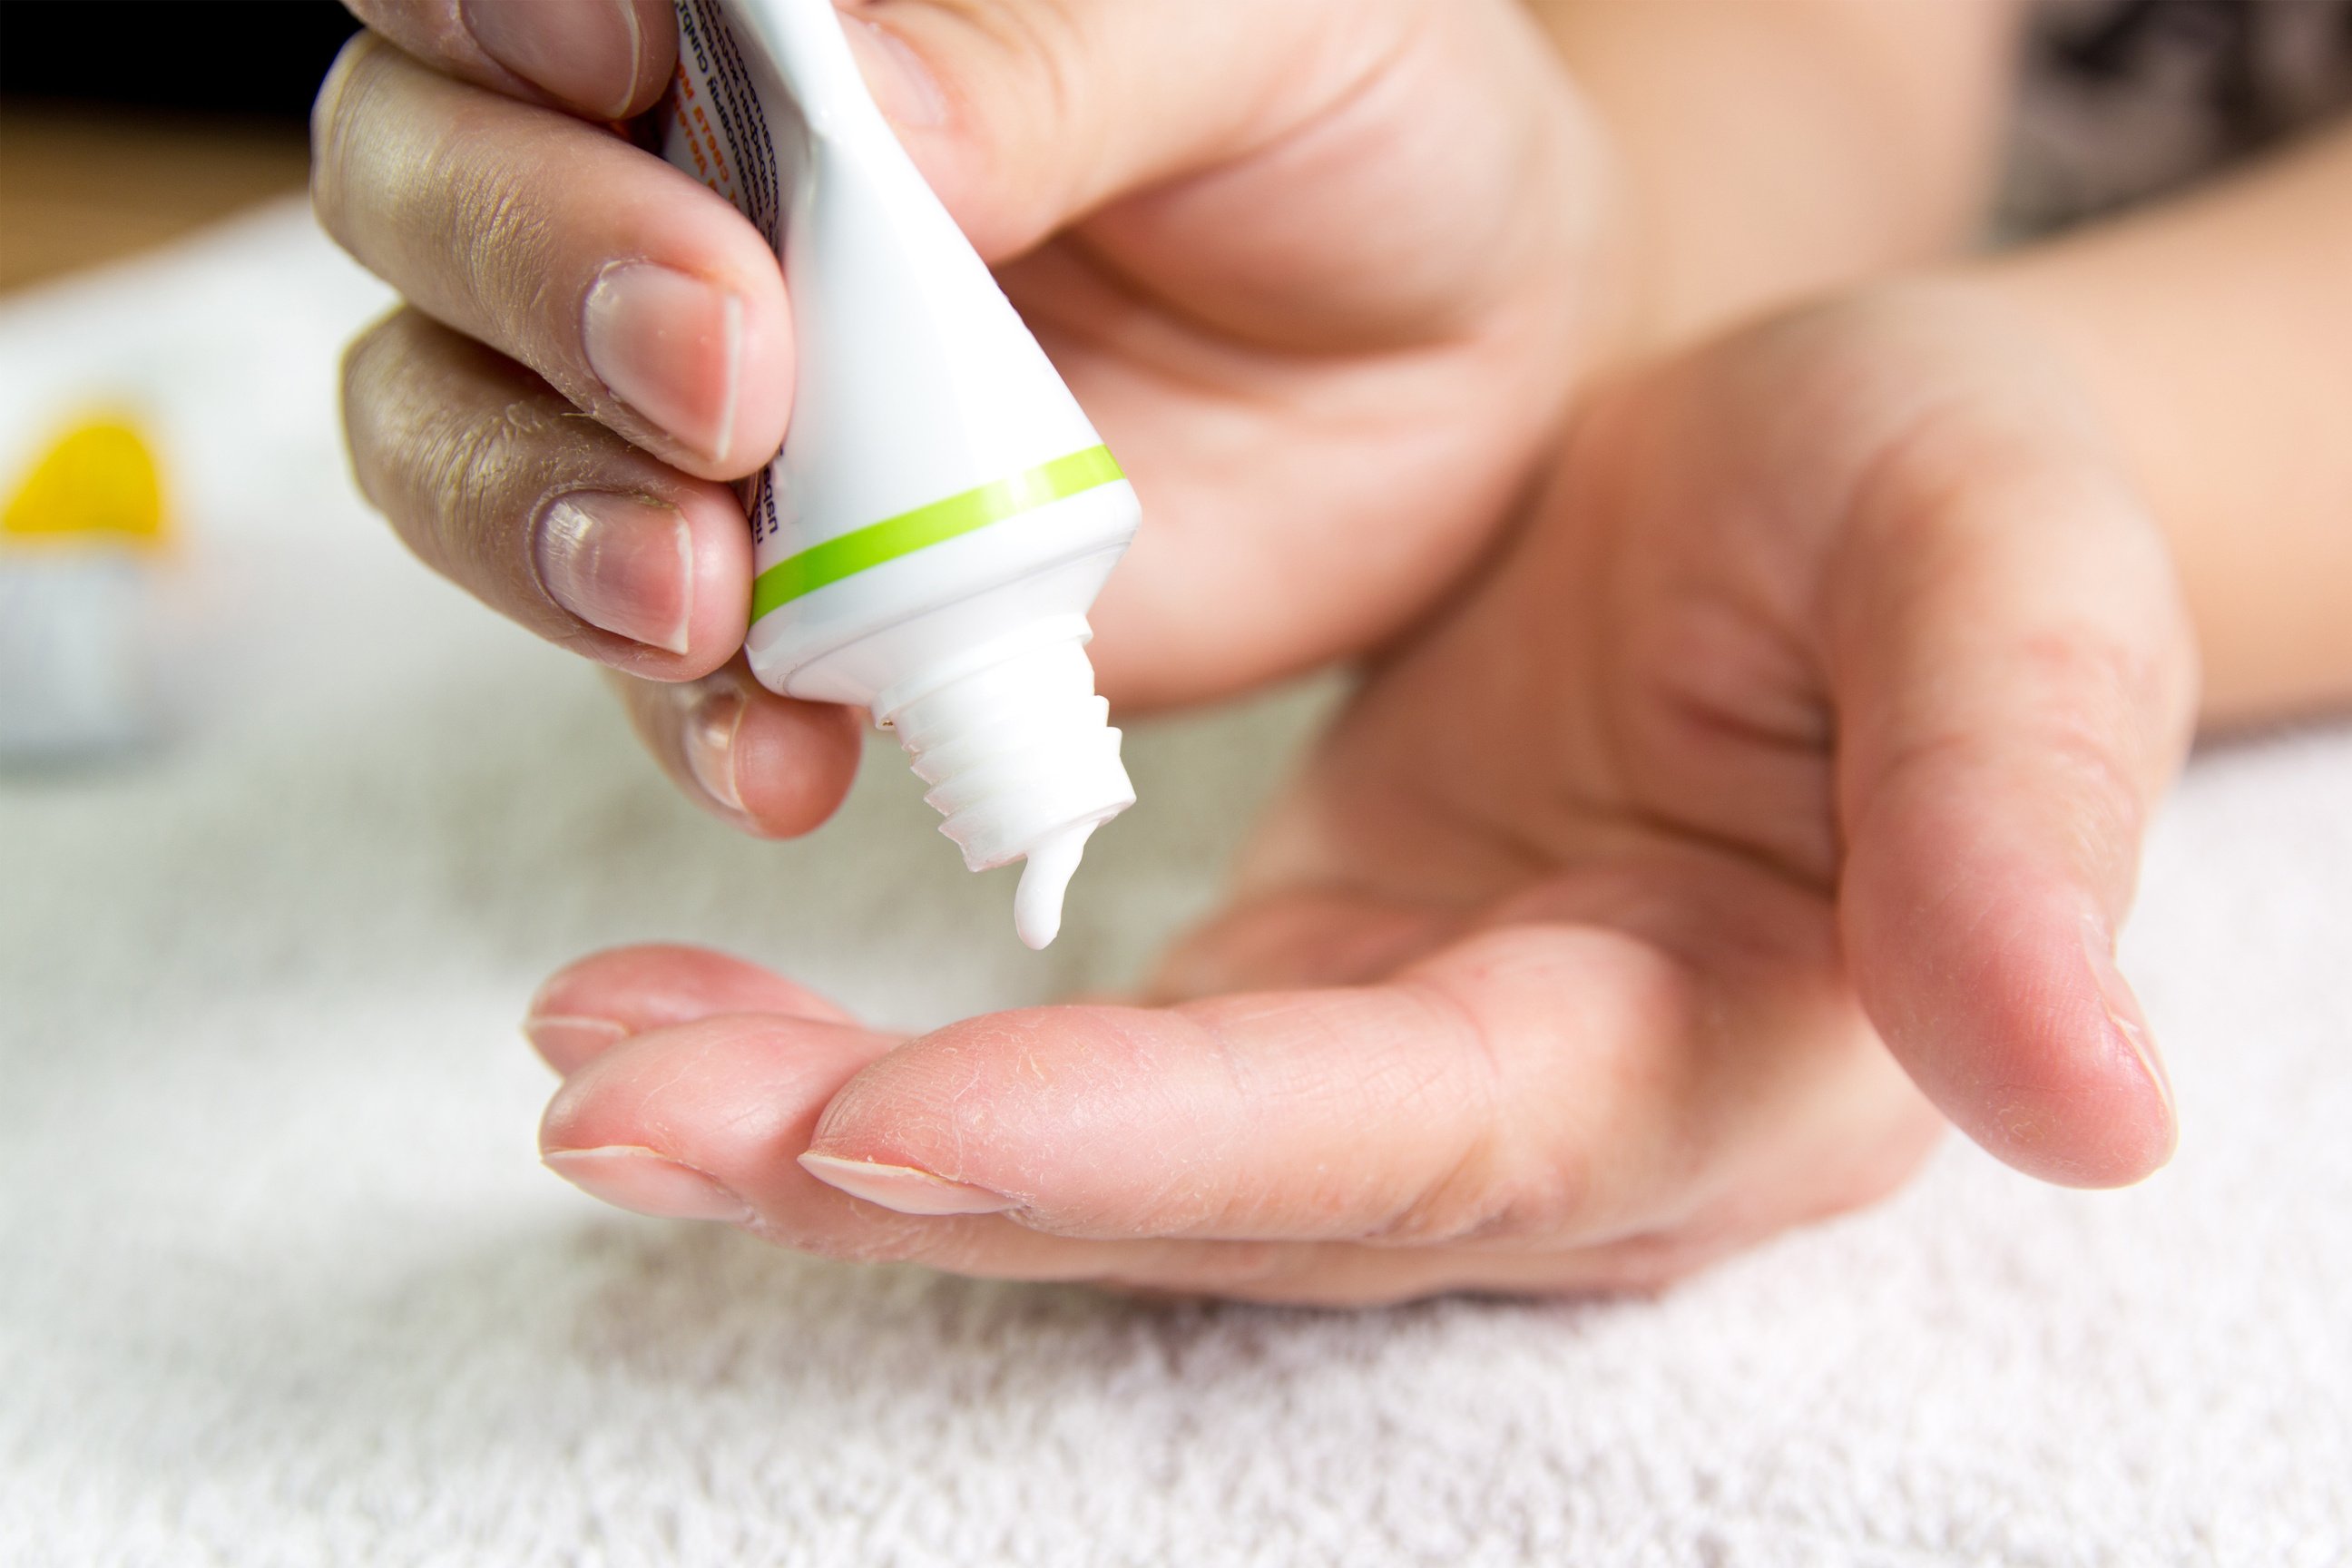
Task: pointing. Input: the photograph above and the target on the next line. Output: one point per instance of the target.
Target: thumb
(1026, 114)
(2015, 684)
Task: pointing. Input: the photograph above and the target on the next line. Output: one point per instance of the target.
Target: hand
(1323, 273)
(1781, 785)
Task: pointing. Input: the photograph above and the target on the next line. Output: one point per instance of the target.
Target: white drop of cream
(1037, 906)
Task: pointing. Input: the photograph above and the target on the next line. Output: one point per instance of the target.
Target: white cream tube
(943, 513)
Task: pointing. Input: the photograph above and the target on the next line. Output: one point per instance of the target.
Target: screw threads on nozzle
(1018, 750)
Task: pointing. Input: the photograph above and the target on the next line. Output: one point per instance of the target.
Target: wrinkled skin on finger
(1774, 798)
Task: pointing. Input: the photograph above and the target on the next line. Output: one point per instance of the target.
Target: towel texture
(282, 1283)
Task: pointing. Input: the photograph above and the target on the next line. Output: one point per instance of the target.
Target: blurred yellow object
(98, 483)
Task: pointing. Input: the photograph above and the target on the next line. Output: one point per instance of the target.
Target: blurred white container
(81, 541)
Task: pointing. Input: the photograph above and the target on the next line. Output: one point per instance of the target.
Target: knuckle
(456, 476)
(476, 469)
(2112, 699)
(1498, 1196)
(504, 234)
(425, 181)
(1054, 40)
(1578, 1033)
(1042, 40)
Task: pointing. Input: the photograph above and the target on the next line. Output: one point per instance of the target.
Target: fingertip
(772, 766)
(2106, 1132)
(576, 1116)
(568, 1042)
(2127, 1024)
(661, 1089)
(760, 376)
(655, 584)
(324, 118)
(685, 318)
(333, 112)
(607, 58)
(717, 563)
(693, 347)
(592, 1005)
(2015, 690)
(640, 294)
(794, 762)
(730, 1097)
(902, 1189)
(1996, 1005)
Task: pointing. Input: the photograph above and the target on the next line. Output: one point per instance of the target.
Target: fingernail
(903, 1189)
(903, 87)
(711, 730)
(646, 1182)
(624, 565)
(671, 347)
(585, 54)
(2124, 1010)
(567, 1041)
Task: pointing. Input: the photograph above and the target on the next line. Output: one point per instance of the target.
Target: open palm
(1779, 786)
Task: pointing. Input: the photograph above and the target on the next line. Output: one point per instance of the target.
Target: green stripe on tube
(926, 525)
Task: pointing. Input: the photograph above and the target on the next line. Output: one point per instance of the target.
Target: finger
(547, 518)
(770, 765)
(589, 1006)
(2014, 691)
(1533, 1084)
(701, 1120)
(606, 58)
(639, 295)
(697, 1121)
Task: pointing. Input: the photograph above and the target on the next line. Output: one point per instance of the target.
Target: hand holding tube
(1194, 206)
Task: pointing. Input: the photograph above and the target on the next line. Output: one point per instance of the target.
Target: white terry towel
(281, 1282)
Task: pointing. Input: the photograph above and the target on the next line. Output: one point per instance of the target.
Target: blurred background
(111, 140)
(285, 1285)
